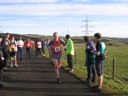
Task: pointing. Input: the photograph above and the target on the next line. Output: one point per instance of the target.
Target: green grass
(115, 86)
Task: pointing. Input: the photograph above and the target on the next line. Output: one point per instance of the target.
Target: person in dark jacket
(5, 48)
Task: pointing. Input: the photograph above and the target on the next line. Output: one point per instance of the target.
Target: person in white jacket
(20, 45)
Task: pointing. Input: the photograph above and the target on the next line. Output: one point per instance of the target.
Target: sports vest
(28, 44)
(20, 43)
(38, 44)
(12, 48)
(57, 47)
(103, 48)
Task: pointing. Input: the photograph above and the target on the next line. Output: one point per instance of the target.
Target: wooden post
(113, 67)
(75, 57)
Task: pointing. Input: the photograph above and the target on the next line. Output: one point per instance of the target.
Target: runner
(28, 45)
(56, 50)
(100, 56)
(36, 46)
(20, 45)
(13, 50)
(39, 47)
(43, 46)
(47, 43)
(90, 60)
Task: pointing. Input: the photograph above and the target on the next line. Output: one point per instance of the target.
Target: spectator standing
(100, 57)
(5, 49)
(69, 52)
(90, 60)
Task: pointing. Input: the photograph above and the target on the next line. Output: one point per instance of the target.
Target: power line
(86, 26)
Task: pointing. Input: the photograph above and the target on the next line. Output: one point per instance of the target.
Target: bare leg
(100, 81)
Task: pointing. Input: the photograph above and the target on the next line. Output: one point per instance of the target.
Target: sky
(44, 17)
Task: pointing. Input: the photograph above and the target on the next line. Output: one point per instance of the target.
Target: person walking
(90, 60)
(56, 49)
(20, 45)
(69, 52)
(100, 57)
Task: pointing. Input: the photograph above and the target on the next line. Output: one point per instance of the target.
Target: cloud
(27, 1)
(121, 1)
(65, 9)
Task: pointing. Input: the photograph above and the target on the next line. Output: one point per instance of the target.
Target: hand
(92, 51)
(2, 58)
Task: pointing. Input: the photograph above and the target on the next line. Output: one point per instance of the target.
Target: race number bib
(28, 45)
(57, 49)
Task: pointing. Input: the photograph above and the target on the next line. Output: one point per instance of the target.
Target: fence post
(113, 67)
(75, 57)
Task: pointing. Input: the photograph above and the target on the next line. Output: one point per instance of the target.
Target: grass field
(117, 85)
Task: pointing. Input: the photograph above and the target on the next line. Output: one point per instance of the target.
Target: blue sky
(109, 17)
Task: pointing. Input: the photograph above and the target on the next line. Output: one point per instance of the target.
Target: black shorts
(13, 53)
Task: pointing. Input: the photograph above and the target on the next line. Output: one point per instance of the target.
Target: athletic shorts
(56, 56)
(99, 67)
(13, 53)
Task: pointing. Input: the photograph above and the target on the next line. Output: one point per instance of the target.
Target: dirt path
(36, 77)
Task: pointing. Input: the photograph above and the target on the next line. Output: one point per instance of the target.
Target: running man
(13, 50)
(28, 45)
(56, 49)
(39, 47)
(20, 45)
(43, 46)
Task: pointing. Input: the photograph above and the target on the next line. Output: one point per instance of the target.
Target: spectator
(90, 60)
(69, 52)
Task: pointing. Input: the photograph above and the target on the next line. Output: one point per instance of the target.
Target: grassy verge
(117, 86)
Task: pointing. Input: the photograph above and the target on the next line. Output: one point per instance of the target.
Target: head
(20, 38)
(42, 39)
(7, 35)
(97, 36)
(86, 39)
(28, 39)
(12, 38)
(55, 35)
(67, 36)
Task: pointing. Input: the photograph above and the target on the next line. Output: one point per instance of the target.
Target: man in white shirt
(20, 45)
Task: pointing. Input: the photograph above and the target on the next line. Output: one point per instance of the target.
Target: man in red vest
(56, 49)
(28, 45)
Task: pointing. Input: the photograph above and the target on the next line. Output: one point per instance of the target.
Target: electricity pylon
(86, 26)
